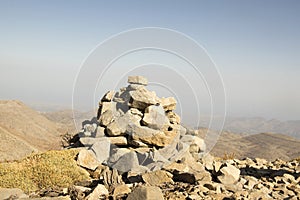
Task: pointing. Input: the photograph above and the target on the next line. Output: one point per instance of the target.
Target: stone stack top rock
(138, 131)
(140, 80)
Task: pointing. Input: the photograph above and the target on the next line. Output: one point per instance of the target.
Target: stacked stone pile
(137, 131)
(137, 149)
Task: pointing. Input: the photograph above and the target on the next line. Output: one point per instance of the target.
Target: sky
(254, 44)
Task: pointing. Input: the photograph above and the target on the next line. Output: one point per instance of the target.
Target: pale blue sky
(255, 45)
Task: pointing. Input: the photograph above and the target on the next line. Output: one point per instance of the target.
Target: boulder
(119, 126)
(87, 159)
(147, 135)
(102, 150)
(108, 96)
(229, 174)
(146, 193)
(12, 193)
(168, 103)
(127, 162)
(140, 80)
(120, 191)
(100, 132)
(119, 141)
(155, 118)
(99, 192)
(173, 117)
(157, 177)
(106, 118)
(142, 98)
(111, 177)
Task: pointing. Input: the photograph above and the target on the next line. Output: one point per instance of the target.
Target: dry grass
(228, 156)
(44, 170)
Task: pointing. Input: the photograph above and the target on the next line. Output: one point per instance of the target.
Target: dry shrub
(43, 170)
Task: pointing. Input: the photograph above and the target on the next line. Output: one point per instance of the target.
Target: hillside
(255, 125)
(23, 130)
(269, 146)
(65, 118)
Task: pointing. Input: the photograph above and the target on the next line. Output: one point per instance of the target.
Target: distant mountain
(67, 118)
(269, 146)
(257, 125)
(24, 130)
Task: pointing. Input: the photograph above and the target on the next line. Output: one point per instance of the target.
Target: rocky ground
(207, 178)
(136, 148)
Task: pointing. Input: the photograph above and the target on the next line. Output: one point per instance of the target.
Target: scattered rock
(100, 192)
(12, 193)
(229, 174)
(146, 193)
(157, 177)
(121, 191)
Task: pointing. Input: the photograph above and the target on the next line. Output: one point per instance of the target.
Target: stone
(157, 177)
(12, 193)
(135, 111)
(229, 174)
(101, 149)
(119, 126)
(127, 162)
(137, 80)
(217, 166)
(120, 191)
(146, 193)
(87, 141)
(104, 106)
(111, 177)
(142, 98)
(208, 161)
(173, 117)
(176, 167)
(155, 118)
(256, 194)
(251, 182)
(100, 132)
(116, 154)
(99, 192)
(133, 86)
(119, 141)
(78, 192)
(87, 159)
(288, 178)
(108, 96)
(148, 136)
(197, 144)
(136, 143)
(169, 103)
(106, 118)
(90, 127)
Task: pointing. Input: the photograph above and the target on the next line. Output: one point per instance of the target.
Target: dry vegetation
(44, 170)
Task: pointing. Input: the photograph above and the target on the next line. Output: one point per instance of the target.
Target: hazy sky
(255, 44)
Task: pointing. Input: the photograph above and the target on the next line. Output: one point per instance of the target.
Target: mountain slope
(23, 130)
(269, 146)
